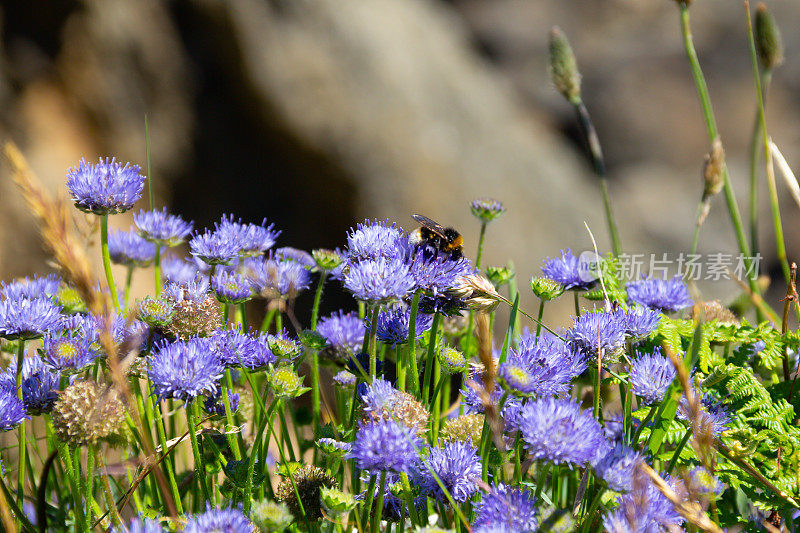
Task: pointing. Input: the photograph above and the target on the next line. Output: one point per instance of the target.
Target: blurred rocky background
(318, 113)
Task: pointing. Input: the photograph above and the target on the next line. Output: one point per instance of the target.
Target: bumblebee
(434, 235)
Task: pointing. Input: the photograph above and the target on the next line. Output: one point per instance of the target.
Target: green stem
(267, 322)
(199, 465)
(480, 245)
(88, 494)
(318, 299)
(371, 346)
(375, 524)
(162, 440)
(107, 261)
(157, 270)
(677, 454)
(413, 374)
(650, 414)
(587, 517)
(754, 151)
(426, 385)
(315, 392)
(539, 319)
(711, 127)
(226, 402)
(128, 281)
(23, 444)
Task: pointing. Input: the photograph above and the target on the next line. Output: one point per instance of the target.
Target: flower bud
(486, 209)
(285, 383)
(769, 43)
(156, 312)
(564, 67)
(327, 259)
(270, 517)
(546, 289)
(284, 348)
(313, 340)
(309, 481)
(465, 428)
(499, 276)
(335, 501)
(451, 360)
(70, 300)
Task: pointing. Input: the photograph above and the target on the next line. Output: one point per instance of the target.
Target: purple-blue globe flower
(39, 383)
(24, 318)
(128, 248)
(665, 295)
(195, 291)
(105, 188)
(385, 445)
(31, 288)
(275, 278)
(219, 521)
(541, 366)
(435, 272)
(393, 323)
(568, 271)
(287, 253)
(644, 509)
(235, 348)
(161, 227)
(511, 507)
(182, 271)
(713, 417)
(651, 376)
(344, 331)
(379, 280)
(249, 239)
(598, 331)
(640, 322)
(213, 248)
(215, 405)
(558, 431)
(617, 467)
(458, 468)
(141, 525)
(373, 239)
(12, 410)
(185, 369)
(68, 350)
(231, 288)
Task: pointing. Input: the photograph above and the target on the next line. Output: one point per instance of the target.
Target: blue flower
(215, 405)
(105, 188)
(458, 468)
(185, 369)
(275, 278)
(68, 350)
(195, 291)
(344, 331)
(651, 376)
(379, 280)
(385, 445)
(486, 209)
(249, 239)
(392, 326)
(541, 366)
(435, 272)
(377, 396)
(38, 287)
(617, 467)
(23, 318)
(558, 431)
(39, 383)
(128, 248)
(344, 378)
(141, 525)
(162, 228)
(375, 239)
(644, 509)
(713, 417)
(213, 248)
(288, 253)
(568, 271)
(235, 348)
(182, 271)
(511, 507)
(598, 331)
(12, 410)
(660, 294)
(333, 446)
(231, 288)
(640, 322)
(219, 520)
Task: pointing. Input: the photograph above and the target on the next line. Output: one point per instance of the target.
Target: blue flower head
(458, 468)
(379, 280)
(385, 445)
(665, 295)
(141, 525)
(595, 331)
(541, 366)
(235, 348)
(105, 188)
(617, 467)
(643, 509)
(713, 418)
(68, 350)
(182, 271)
(558, 431)
(37, 287)
(287, 253)
(195, 291)
(640, 322)
(344, 331)
(231, 288)
(568, 271)
(651, 376)
(393, 323)
(12, 410)
(276, 278)
(250, 239)
(185, 369)
(24, 318)
(39, 383)
(219, 520)
(213, 248)
(161, 228)
(373, 239)
(128, 248)
(216, 406)
(513, 508)
(436, 273)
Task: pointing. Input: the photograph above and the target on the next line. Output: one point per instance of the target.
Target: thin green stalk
(226, 402)
(677, 454)
(128, 281)
(480, 245)
(371, 346)
(375, 524)
(429, 362)
(650, 414)
(267, 322)
(23, 444)
(587, 517)
(199, 464)
(116, 519)
(711, 127)
(162, 440)
(780, 243)
(318, 299)
(413, 374)
(539, 319)
(157, 270)
(315, 392)
(754, 151)
(107, 261)
(285, 435)
(369, 500)
(88, 486)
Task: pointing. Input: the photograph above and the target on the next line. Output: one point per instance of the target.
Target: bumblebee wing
(432, 225)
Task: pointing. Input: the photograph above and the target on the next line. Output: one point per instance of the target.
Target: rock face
(316, 113)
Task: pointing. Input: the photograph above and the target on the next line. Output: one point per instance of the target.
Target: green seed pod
(564, 67)
(713, 168)
(271, 517)
(546, 289)
(313, 340)
(284, 348)
(309, 481)
(335, 501)
(451, 360)
(769, 43)
(285, 383)
(156, 312)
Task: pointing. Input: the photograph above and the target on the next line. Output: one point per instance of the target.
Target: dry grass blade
(54, 223)
(691, 511)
